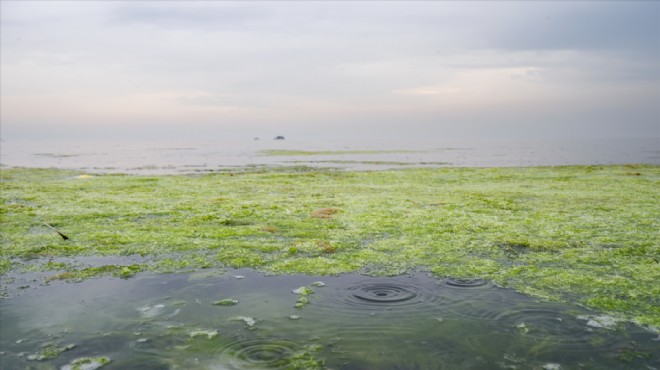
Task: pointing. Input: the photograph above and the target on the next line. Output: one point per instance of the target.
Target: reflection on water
(201, 157)
(352, 322)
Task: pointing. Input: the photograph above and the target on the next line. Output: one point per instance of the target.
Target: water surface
(172, 157)
(170, 321)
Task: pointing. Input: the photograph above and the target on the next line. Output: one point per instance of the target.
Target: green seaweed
(123, 272)
(87, 363)
(303, 292)
(226, 302)
(208, 333)
(305, 359)
(586, 234)
(49, 351)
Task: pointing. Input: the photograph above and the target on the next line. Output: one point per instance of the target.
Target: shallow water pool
(242, 319)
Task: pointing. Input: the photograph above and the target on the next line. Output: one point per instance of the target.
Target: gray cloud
(400, 67)
(607, 25)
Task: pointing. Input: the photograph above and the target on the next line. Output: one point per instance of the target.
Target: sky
(207, 69)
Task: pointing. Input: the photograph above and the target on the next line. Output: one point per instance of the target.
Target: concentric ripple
(258, 354)
(365, 310)
(466, 282)
(384, 293)
(373, 293)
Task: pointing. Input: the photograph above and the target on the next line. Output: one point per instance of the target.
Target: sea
(165, 157)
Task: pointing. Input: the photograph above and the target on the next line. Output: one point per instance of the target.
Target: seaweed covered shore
(583, 234)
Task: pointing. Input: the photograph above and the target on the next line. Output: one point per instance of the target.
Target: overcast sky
(395, 68)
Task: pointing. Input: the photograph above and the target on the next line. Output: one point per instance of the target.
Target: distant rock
(279, 137)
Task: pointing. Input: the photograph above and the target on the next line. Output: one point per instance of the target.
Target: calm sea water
(171, 157)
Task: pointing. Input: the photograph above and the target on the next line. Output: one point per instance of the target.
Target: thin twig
(54, 229)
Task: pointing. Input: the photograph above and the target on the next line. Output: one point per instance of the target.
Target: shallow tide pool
(242, 319)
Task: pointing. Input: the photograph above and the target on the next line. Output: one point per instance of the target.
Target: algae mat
(584, 234)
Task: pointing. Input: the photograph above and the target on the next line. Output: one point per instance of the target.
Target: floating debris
(239, 277)
(302, 302)
(523, 328)
(294, 317)
(602, 321)
(87, 363)
(210, 334)
(303, 290)
(249, 321)
(226, 302)
(318, 284)
(551, 366)
(151, 311)
(49, 351)
(142, 340)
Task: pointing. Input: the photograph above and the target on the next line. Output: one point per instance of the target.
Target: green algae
(250, 322)
(226, 302)
(305, 359)
(587, 234)
(87, 363)
(303, 293)
(49, 351)
(123, 272)
(209, 334)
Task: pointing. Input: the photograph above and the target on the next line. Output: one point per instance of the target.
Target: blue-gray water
(171, 157)
(352, 322)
